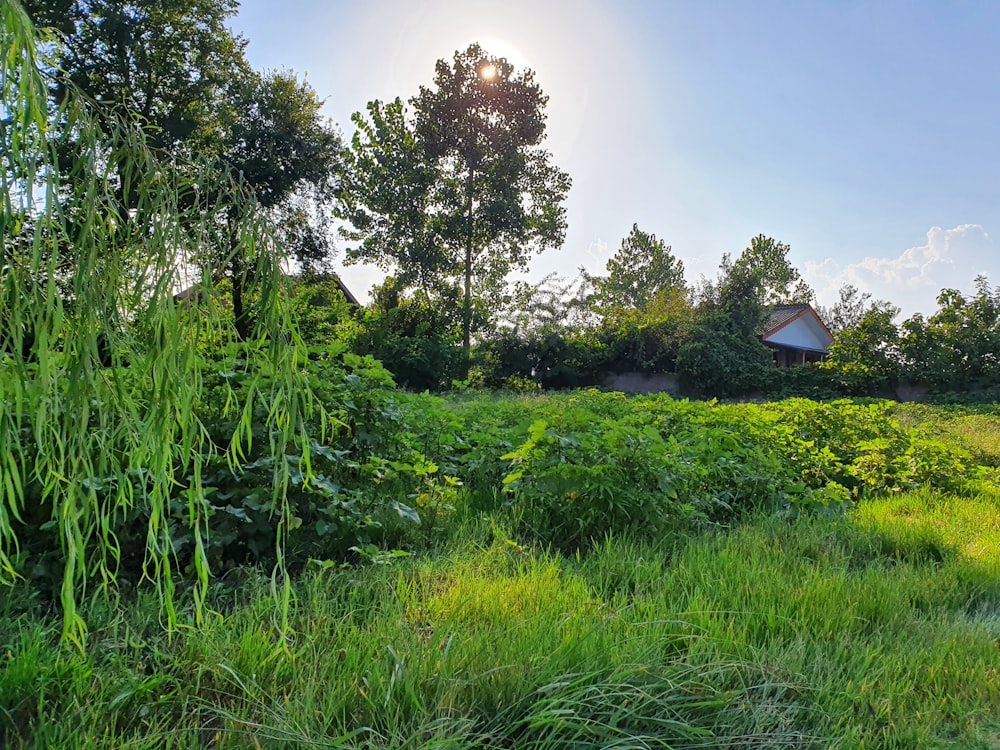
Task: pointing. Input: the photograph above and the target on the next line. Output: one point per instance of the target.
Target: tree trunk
(467, 302)
(236, 265)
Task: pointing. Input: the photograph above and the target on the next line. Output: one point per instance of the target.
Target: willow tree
(81, 444)
(174, 66)
(483, 195)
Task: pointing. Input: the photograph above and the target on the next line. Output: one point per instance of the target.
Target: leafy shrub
(319, 307)
(721, 359)
(552, 359)
(637, 345)
(343, 491)
(417, 340)
(574, 488)
(858, 445)
(559, 359)
(648, 466)
(810, 380)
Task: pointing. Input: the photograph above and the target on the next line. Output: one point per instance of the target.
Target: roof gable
(798, 327)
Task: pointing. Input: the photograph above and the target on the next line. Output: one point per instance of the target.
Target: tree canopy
(762, 276)
(279, 145)
(167, 63)
(174, 68)
(479, 194)
(642, 272)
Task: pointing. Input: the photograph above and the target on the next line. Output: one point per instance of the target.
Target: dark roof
(351, 299)
(780, 314)
(193, 293)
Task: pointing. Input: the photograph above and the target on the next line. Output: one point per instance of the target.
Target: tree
(774, 279)
(718, 358)
(485, 196)
(866, 354)
(554, 304)
(723, 353)
(642, 272)
(386, 199)
(168, 63)
(174, 67)
(279, 145)
(762, 274)
(849, 310)
(759, 278)
(86, 449)
(958, 347)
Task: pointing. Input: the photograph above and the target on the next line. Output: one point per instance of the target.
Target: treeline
(954, 350)
(642, 316)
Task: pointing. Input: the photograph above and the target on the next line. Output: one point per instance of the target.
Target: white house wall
(802, 333)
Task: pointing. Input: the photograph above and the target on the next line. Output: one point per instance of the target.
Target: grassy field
(874, 628)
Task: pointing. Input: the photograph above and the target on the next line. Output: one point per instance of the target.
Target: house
(796, 335)
(193, 294)
(351, 299)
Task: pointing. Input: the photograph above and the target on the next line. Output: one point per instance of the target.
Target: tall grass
(96, 232)
(975, 428)
(875, 631)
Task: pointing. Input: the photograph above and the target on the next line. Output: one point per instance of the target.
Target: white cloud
(951, 259)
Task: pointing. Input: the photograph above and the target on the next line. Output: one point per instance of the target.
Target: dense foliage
(417, 337)
(810, 627)
(159, 450)
(104, 382)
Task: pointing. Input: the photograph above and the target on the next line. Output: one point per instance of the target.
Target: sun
(488, 72)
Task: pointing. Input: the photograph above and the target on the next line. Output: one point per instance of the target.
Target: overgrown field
(588, 571)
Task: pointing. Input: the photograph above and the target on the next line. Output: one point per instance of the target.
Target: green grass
(875, 631)
(974, 428)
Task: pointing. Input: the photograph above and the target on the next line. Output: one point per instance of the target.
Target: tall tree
(166, 62)
(472, 155)
(957, 347)
(280, 146)
(175, 68)
(386, 199)
(765, 268)
(760, 277)
(641, 272)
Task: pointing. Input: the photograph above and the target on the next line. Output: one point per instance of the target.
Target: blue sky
(863, 134)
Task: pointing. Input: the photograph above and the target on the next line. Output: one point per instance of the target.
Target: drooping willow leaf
(100, 365)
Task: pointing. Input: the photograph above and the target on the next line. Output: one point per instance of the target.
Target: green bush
(574, 488)
(603, 464)
(554, 360)
(349, 487)
(561, 359)
(719, 358)
(417, 340)
(811, 380)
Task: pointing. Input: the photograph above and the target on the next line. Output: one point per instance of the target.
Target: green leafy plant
(101, 375)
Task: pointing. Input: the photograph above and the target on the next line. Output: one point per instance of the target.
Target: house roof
(780, 314)
(193, 293)
(812, 333)
(351, 299)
